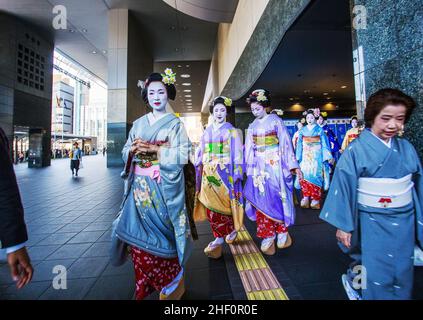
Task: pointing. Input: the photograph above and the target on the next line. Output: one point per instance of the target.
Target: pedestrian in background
(76, 158)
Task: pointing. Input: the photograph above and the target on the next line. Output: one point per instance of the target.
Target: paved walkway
(69, 224)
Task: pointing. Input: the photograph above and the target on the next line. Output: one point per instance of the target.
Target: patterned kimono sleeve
(249, 152)
(295, 139)
(340, 208)
(199, 162)
(172, 160)
(237, 199)
(127, 147)
(286, 148)
(333, 139)
(176, 155)
(345, 142)
(299, 150)
(327, 153)
(237, 155)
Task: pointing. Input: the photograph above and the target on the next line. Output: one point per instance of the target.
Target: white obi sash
(385, 192)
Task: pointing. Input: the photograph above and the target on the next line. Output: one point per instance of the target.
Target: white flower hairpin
(141, 84)
(169, 77)
(260, 94)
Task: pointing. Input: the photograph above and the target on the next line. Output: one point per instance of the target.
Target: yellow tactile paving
(268, 295)
(259, 281)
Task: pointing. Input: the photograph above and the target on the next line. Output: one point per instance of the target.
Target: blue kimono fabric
(385, 236)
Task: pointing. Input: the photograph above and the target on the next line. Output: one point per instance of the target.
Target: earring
(401, 132)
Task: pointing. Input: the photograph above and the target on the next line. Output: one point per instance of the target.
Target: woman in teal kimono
(375, 201)
(154, 220)
(219, 176)
(313, 154)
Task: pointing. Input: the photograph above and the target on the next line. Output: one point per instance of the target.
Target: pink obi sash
(153, 172)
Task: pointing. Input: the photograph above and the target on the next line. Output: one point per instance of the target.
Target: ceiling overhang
(219, 11)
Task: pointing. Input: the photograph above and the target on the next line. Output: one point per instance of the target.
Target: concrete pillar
(388, 51)
(129, 61)
(26, 69)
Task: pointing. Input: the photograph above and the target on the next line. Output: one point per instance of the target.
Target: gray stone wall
(392, 47)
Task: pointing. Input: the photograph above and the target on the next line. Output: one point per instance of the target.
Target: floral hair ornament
(324, 114)
(141, 84)
(228, 102)
(279, 112)
(305, 113)
(260, 94)
(169, 77)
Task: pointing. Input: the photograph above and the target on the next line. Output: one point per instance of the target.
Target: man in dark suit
(13, 234)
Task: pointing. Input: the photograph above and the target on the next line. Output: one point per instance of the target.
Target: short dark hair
(253, 98)
(220, 100)
(382, 98)
(157, 77)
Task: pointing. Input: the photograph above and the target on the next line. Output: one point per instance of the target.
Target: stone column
(129, 61)
(388, 52)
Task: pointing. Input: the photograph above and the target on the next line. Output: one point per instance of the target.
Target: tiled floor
(69, 224)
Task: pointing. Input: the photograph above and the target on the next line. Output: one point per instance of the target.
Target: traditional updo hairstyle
(228, 103)
(311, 111)
(256, 96)
(384, 97)
(157, 77)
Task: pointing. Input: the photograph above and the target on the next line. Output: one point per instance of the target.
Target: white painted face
(320, 121)
(219, 113)
(354, 123)
(310, 119)
(258, 110)
(157, 96)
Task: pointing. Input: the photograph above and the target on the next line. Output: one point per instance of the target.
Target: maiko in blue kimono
(154, 221)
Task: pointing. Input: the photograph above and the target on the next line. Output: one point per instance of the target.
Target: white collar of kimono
(153, 119)
(264, 118)
(217, 126)
(388, 144)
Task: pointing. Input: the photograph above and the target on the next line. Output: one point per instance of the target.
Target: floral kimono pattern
(219, 172)
(350, 136)
(313, 153)
(269, 159)
(154, 219)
